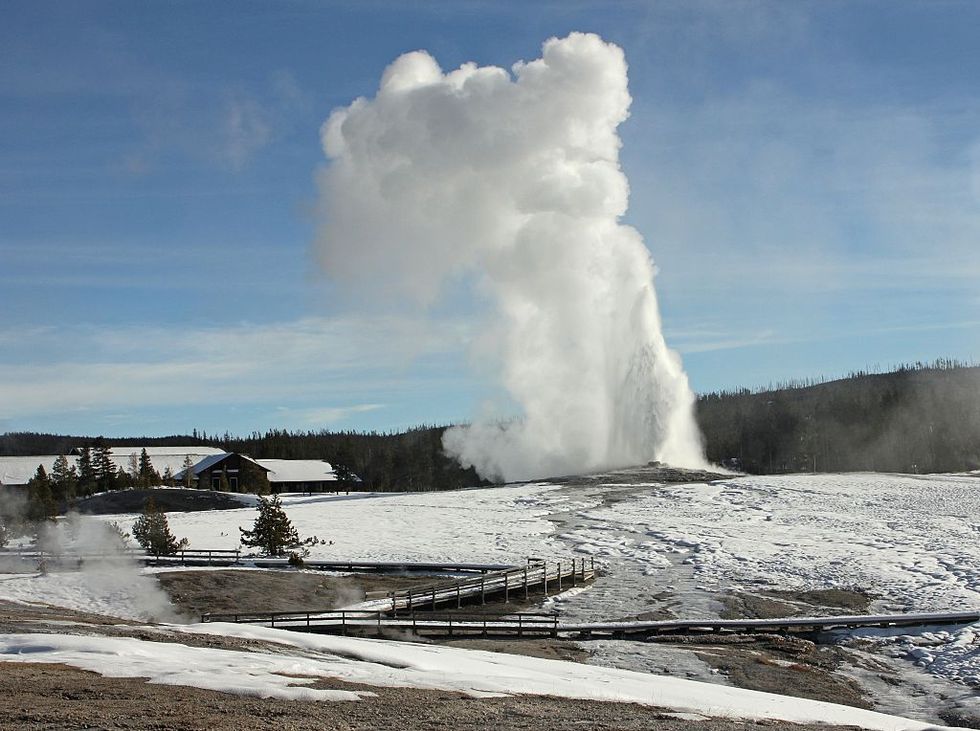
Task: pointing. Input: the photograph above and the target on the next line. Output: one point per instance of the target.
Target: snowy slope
(911, 541)
(398, 664)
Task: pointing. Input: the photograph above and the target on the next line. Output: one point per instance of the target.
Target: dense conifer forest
(920, 418)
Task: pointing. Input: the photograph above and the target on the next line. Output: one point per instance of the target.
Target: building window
(233, 484)
(215, 482)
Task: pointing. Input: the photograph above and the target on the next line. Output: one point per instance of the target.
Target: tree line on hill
(411, 460)
(920, 418)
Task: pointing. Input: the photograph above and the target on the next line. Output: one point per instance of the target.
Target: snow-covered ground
(388, 663)
(912, 542)
(487, 526)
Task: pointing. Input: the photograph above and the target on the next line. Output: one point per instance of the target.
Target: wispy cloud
(332, 361)
(228, 125)
(325, 415)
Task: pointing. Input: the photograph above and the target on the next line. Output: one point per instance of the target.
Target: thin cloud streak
(326, 360)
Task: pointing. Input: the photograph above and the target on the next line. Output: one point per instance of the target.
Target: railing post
(525, 584)
(506, 590)
(559, 577)
(410, 600)
(573, 573)
(459, 599)
(483, 589)
(433, 599)
(544, 566)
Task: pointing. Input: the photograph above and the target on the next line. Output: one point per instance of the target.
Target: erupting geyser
(512, 182)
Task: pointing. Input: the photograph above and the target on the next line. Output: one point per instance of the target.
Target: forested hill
(916, 419)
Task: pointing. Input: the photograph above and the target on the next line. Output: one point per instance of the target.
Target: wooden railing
(549, 575)
(432, 624)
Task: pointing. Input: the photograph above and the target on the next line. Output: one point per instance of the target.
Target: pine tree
(123, 480)
(146, 475)
(253, 478)
(168, 476)
(40, 501)
(86, 472)
(272, 532)
(102, 464)
(64, 479)
(152, 531)
(4, 535)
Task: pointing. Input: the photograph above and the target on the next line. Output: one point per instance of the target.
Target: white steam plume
(512, 182)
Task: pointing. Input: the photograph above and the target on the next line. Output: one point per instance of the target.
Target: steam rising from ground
(512, 184)
(86, 567)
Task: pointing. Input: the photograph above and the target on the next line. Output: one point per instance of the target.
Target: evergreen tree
(344, 476)
(168, 476)
(102, 464)
(146, 476)
(123, 480)
(272, 532)
(253, 478)
(40, 501)
(4, 535)
(152, 531)
(64, 479)
(86, 473)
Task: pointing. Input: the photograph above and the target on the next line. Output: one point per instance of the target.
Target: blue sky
(806, 175)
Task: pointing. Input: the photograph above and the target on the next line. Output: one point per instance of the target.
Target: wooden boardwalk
(522, 625)
(518, 582)
(233, 557)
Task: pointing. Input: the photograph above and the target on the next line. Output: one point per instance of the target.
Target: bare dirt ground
(226, 591)
(769, 663)
(41, 696)
(35, 696)
(818, 602)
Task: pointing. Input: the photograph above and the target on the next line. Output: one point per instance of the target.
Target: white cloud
(325, 415)
(319, 360)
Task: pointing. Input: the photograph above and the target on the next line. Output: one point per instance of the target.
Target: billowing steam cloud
(512, 182)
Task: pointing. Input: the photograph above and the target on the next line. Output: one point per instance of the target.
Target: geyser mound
(510, 182)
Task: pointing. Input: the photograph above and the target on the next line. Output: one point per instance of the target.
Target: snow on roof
(298, 470)
(19, 470)
(166, 451)
(163, 457)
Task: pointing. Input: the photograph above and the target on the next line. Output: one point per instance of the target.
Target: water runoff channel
(641, 576)
(635, 581)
